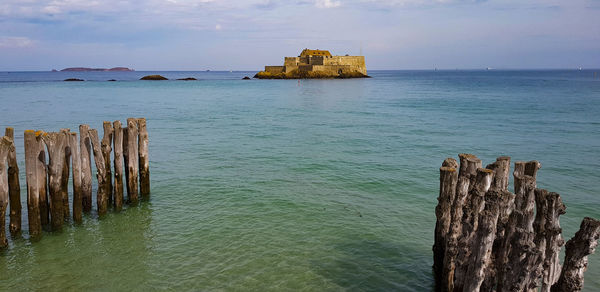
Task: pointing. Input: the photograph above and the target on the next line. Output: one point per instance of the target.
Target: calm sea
(316, 185)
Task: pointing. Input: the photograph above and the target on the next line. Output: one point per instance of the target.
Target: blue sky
(248, 34)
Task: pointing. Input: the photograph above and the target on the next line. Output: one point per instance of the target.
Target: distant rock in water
(187, 79)
(83, 69)
(246, 78)
(153, 77)
(73, 79)
(111, 80)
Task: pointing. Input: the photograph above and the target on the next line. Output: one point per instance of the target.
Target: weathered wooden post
(42, 179)
(549, 207)
(77, 192)
(143, 159)
(64, 185)
(126, 161)
(481, 255)
(106, 149)
(102, 194)
(5, 144)
(14, 186)
(86, 167)
(55, 142)
(118, 162)
(33, 178)
(443, 212)
(466, 177)
(470, 222)
(576, 256)
(132, 163)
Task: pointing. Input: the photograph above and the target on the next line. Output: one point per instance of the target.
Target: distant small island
(84, 69)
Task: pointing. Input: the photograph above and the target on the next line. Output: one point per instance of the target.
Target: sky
(249, 34)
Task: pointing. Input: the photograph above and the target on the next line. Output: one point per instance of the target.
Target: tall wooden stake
(14, 186)
(42, 179)
(64, 188)
(132, 164)
(106, 146)
(102, 194)
(118, 161)
(5, 144)
(85, 149)
(143, 159)
(576, 256)
(77, 192)
(33, 178)
(55, 142)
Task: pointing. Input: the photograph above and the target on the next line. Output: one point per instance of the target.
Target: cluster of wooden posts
(48, 183)
(489, 239)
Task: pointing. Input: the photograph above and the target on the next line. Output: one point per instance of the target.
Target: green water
(272, 185)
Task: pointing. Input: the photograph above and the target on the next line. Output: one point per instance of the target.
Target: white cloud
(15, 42)
(327, 3)
(218, 27)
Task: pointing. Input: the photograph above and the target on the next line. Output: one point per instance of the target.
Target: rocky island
(316, 64)
(83, 69)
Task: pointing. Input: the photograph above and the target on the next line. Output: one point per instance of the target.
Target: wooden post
(55, 142)
(86, 167)
(5, 144)
(118, 161)
(102, 195)
(106, 147)
(483, 241)
(470, 223)
(549, 207)
(501, 170)
(132, 163)
(14, 186)
(143, 159)
(443, 212)
(468, 166)
(42, 179)
(64, 188)
(77, 192)
(126, 161)
(33, 178)
(576, 256)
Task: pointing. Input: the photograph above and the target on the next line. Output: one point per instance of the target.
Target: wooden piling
(549, 207)
(443, 212)
(32, 178)
(5, 145)
(576, 256)
(55, 143)
(42, 179)
(470, 222)
(102, 194)
(85, 148)
(64, 188)
(106, 147)
(467, 173)
(14, 186)
(132, 163)
(126, 161)
(144, 166)
(76, 169)
(118, 164)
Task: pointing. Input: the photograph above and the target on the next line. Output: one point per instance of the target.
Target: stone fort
(321, 61)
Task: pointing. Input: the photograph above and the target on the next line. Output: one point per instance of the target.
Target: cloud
(327, 3)
(15, 42)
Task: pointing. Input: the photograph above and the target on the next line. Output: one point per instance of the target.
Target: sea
(296, 185)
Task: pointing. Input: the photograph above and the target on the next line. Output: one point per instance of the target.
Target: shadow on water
(373, 265)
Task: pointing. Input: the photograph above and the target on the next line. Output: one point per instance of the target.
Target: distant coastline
(84, 69)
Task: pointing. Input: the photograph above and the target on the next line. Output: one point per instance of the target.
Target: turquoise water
(317, 185)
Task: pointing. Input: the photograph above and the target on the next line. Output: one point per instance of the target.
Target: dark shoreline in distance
(84, 69)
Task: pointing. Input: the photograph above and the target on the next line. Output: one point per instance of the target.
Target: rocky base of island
(296, 74)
